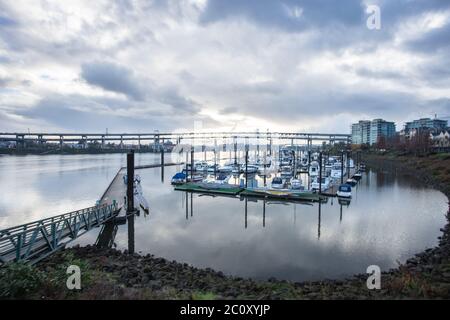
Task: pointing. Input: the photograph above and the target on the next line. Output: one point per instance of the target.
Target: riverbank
(111, 274)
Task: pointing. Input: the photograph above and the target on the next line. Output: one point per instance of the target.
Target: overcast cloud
(294, 65)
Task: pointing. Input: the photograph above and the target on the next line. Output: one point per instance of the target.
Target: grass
(203, 296)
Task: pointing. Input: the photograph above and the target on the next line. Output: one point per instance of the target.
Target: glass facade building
(368, 132)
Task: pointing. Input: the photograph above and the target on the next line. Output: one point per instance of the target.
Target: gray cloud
(95, 113)
(297, 64)
(112, 77)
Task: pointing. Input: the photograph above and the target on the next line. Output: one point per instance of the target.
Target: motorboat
(251, 168)
(222, 178)
(225, 168)
(351, 182)
(213, 168)
(337, 170)
(324, 185)
(195, 178)
(286, 171)
(357, 176)
(296, 184)
(179, 178)
(277, 183)
(201, 166)
(344, 191)
(314, 169)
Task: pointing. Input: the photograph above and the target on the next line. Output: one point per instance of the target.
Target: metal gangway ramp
(36, 240)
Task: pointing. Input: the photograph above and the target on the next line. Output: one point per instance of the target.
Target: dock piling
(130, 201)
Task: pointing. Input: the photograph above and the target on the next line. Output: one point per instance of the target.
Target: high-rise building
(361, 132)
(433, 125)
(368, 132)
(381, 128)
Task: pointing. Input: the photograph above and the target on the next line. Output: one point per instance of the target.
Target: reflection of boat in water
(139, 199)
(344, 201)
(282, 194)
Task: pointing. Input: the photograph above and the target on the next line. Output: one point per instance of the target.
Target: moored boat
(179, 178)
(344, 191)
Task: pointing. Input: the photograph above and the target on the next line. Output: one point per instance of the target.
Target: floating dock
(283, 195)
(202, 188)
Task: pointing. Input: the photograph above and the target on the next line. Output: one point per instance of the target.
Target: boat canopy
(179, 175)
(345, 188)
(277, 180)
(222, 177)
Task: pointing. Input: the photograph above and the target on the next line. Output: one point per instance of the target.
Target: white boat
(337, 170)
(314, 169)
(351, 163)
(222, 178)
(351, 182)
(344, 191)
(296, 184)
(195, 178)
(225, 168)
(212, 168)
(251, 168)
(324, 185)
(357, 176)
(286, 171)
(277, 183)
(201, 166)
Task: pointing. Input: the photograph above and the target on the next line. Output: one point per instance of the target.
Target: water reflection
(389, 218)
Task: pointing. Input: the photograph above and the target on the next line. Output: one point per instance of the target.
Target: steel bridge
(157, 137)
(36, 240)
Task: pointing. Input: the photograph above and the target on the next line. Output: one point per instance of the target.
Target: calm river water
(388, 220)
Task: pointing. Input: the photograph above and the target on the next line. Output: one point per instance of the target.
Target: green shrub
(19, 281)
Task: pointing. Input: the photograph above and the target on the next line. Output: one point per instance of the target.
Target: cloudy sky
(293, 65)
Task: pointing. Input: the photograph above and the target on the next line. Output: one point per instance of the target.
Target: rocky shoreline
(111, 274)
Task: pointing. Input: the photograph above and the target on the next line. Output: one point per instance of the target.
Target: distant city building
(368, 132)
(441, 139)
(381, 128)
(432, 125)
(361, 132)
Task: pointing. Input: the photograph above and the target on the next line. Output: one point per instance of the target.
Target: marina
(226, 203)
